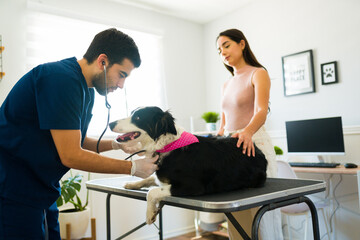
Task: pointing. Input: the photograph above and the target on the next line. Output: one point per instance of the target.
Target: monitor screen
(323, 136)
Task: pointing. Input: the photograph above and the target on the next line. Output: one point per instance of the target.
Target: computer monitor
(323, 136)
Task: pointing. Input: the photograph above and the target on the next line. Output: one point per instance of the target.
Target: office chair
(285, 171)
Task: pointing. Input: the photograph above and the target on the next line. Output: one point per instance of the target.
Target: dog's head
(146, 125)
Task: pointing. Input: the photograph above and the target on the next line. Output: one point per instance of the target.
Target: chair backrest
(284, 170)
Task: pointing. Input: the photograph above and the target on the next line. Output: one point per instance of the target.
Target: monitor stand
(324, 159)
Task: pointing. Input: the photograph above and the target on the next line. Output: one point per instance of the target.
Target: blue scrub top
(51, 96)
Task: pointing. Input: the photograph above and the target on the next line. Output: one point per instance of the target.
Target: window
(52, 38)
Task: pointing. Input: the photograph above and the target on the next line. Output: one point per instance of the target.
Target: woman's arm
(222, 117)
(261, 83)
(222, 125)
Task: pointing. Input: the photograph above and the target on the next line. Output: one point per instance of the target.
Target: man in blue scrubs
(43, 124)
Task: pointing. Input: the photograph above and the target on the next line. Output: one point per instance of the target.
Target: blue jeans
(19, 221)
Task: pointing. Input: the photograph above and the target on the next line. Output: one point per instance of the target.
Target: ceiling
(198, 11)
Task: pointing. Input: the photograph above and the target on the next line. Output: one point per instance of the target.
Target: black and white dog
(188, 165)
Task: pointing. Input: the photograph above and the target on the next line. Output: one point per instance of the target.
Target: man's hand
(144, 167)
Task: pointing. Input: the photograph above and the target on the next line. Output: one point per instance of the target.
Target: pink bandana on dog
(184, 140)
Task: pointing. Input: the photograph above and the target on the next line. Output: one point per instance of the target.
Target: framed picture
(298, 73)
(329, 73)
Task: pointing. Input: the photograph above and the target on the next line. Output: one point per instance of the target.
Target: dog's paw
(151, 215)
(132, 185)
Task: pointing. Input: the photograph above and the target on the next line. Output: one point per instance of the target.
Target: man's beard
(99, 83)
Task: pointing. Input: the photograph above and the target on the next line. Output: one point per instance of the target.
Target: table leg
(314, 217)
(160, 225)
(272, 206)
(108, 227)
(131, 231)
(237, 226)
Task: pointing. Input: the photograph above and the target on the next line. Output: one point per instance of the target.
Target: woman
(245, 99)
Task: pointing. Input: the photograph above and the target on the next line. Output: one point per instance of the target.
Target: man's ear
(102, 60)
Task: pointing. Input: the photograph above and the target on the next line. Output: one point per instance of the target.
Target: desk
(337, 170)
(275, 194)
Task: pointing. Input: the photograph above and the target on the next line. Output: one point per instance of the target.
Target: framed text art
(329, 73)
(298, 73)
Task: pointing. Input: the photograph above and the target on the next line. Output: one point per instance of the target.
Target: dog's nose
(112, 125)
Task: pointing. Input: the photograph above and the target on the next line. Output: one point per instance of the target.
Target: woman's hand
(245, 138)
(220, 132)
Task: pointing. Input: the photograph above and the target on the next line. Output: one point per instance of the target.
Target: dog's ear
(164, 125)
(169, 122)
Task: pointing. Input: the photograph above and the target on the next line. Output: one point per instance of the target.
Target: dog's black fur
(213, 165)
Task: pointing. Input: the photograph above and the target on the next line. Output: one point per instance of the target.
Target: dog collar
(184, 140)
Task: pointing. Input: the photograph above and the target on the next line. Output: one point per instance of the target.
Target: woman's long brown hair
(236, 35)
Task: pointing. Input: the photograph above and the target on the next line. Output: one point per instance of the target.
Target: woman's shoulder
(255, 69)
(260, 74)
(260, 71)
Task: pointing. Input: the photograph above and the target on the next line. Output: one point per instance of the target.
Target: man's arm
(68, 145)
(91, 143)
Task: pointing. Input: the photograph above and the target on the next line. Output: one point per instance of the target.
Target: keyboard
(314, 164)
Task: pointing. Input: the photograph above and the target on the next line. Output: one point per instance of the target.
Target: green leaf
(77, 186)
(59, 201)
(278, 150)
(69, 189)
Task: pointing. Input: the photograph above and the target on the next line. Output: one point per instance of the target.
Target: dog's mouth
(128, 136)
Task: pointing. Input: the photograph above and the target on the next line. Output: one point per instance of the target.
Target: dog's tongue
(127, 136)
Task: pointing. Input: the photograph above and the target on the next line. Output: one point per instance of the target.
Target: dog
(188, 165)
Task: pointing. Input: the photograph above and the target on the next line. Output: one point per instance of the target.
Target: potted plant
(77, 216)
(210, 118)
(279, 152)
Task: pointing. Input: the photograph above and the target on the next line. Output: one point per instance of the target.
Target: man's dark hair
(116, 45)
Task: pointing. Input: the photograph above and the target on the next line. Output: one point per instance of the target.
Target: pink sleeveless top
(238, 99)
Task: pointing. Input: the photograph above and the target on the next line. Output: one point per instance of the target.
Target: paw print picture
(329, 73)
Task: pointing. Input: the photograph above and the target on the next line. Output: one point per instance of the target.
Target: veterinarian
(245, 99)
(43, 124)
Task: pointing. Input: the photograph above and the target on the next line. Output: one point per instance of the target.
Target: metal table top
(275, 190)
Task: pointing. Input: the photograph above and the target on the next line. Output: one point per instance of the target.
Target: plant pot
(211, 127)
(79, 222)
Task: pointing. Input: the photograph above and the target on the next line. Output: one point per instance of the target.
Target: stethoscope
(108, 106)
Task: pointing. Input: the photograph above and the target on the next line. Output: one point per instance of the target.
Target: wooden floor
(204, 236)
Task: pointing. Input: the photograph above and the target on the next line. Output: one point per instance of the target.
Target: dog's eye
(137, 118)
